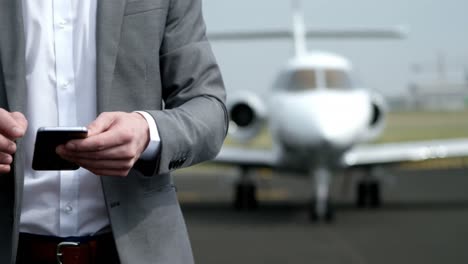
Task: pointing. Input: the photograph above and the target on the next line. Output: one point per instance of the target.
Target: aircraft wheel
(245, 196)
(328, 216)
(368, 194)
(375, 200)
(361, 195)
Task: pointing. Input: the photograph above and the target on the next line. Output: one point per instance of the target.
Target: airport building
(438, 90)
(439, 96)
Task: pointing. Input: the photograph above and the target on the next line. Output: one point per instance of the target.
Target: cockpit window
(298, 80)
(310, 79)
(336, 79)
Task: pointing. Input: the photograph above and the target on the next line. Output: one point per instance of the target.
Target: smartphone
(47, 140)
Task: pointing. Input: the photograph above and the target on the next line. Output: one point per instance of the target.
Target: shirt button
(62, 23)
(68, 209)
(65, 85)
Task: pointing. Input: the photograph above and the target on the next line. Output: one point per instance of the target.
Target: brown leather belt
(72, 250)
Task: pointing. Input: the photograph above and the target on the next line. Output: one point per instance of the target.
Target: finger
(105, 168)
(21, 119)
(105, 164)
(107, 140)
(5, 159)
(9, 127)
(4, 168)
(121, 152)
(95, 163)
(102, 123)
(7, 145)
(115, 173)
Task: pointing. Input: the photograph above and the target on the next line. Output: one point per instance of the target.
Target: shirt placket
(67, 116)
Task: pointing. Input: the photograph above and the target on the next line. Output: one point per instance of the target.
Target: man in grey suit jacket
(152, 55)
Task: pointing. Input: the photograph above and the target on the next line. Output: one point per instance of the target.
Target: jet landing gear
(245, 196)
(321, 208)
(245, 193)
(327, 215)
(368, 192)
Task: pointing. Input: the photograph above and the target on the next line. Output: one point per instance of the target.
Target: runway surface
(424, 220)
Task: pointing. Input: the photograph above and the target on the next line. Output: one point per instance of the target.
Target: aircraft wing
(418, 151)
(246, 157)
(319, 33)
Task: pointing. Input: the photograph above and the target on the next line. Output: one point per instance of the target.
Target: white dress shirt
(61, 83)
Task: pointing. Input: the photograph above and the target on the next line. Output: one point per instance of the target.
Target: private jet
(319, 121)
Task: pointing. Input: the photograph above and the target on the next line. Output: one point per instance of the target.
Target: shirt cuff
(152, 149)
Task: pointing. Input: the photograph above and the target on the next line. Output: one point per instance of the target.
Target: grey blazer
(152, 55)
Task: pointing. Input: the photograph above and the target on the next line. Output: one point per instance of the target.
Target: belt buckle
(59, 249)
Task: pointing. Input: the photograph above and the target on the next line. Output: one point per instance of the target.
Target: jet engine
(247, 115)
(376, 124)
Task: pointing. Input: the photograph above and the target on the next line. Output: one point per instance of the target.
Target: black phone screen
(47, 140)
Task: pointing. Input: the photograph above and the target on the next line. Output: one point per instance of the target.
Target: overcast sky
(436, 27)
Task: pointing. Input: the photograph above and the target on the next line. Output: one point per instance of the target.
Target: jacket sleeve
(194, 122)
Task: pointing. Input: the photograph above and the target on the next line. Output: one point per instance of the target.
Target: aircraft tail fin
(299, 31)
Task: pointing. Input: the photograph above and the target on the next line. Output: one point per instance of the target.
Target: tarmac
(424, 219)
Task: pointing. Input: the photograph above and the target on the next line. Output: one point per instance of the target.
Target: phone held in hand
(47, 140)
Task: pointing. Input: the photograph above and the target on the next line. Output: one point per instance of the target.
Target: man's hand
(13, 125)
(115, 142)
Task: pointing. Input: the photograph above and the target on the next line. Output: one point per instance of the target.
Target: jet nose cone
(322, 118)
(339, 117)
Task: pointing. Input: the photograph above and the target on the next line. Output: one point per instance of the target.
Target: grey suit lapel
(12, 48)
(109, 21)
(12, 54)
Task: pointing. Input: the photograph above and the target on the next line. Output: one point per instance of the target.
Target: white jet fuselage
(317, 126)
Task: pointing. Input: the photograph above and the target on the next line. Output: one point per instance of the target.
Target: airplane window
(305, 79)
(336, 79)
(297, 80)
